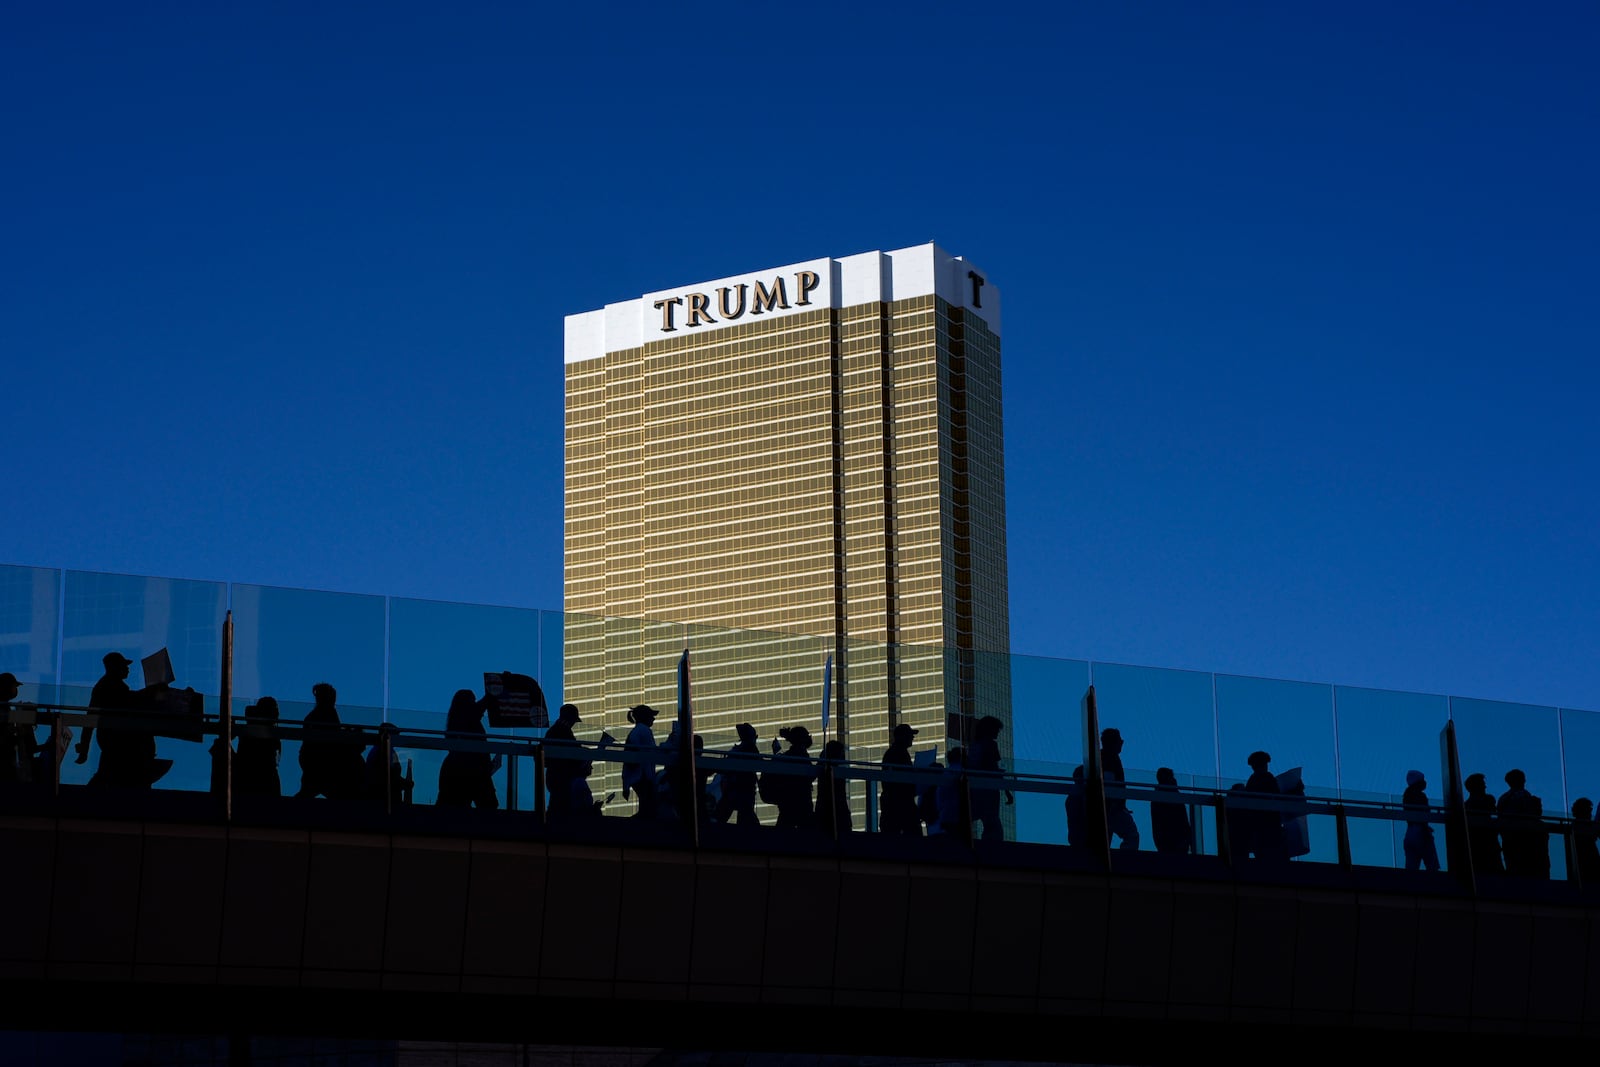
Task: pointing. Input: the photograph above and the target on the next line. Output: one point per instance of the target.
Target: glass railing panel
(440, 650)
(30, 605)
(137, 616)
(775, 682)
(1495, 738)
(1376, 842)
(1290, 721)
(1045, 698)
(1580, 747)
(1164, 719)
(1046, 738)
(1383, 734)
(287, 640)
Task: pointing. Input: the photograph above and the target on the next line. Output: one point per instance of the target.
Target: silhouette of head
(1259, 760)
(833, 750)
(568, 714)
(1476, 783)
(1111, 740)
(989, 728)
(116, 664)
(1582, 809)
(903, 734)
(325, 694)
(9, 687)
(263, 710)
(463, 708)
(1165, 776)
(1415, 778)
(799, 737)
(1516, 779)
(747, 732)
(956, 757)
(642, 713)
(1077, 773)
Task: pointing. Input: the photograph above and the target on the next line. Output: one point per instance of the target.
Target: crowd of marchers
(1262, 817)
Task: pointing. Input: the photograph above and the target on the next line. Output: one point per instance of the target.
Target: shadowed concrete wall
(111, 904)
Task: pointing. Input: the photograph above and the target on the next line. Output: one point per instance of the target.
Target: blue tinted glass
(1165, 718)
(1382, 735)
(1046, 695)
(436, 648)
(287, 640)
(1580, 743)
(29, 613)
(1291, 721)
(1495, 737)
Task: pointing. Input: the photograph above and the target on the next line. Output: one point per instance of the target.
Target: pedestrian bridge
(173, 910)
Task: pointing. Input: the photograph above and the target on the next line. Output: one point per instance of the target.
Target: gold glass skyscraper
(783, 465)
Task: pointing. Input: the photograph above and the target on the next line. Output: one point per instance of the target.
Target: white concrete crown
(838, 283)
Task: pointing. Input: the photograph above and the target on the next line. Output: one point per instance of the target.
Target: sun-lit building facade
(783, 465)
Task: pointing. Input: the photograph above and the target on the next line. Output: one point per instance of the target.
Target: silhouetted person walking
(897, 801)
(640, 778)
(17, 742)
(1586, 857)
(1119, 820)
(127, 750)
(833, 799)
(382, 777)
(1418, 842)
(955, 813)
(1169, 819)
(255, 769)
(1077, 810)
(983, 777)
(330, 759)
(466, 777)
(562, 761)
(1523, 840)
(1266, 827)
(788, 785)
(738, 798)
(1482, 836)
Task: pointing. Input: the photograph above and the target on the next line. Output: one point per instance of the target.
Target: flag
(827, 690)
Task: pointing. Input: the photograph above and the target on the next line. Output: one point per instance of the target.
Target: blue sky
(1302, 311)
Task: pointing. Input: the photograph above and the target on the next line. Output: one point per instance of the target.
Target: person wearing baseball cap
(127, 752)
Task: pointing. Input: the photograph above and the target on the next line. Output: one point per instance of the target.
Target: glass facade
(829, 483)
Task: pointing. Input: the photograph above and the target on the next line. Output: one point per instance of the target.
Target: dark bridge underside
(157, 925)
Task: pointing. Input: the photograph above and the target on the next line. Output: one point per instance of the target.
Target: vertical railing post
(386, 753)
(1094, 783)
(227, 715)
(1341, 829)
(1458, 859)
(539, 807)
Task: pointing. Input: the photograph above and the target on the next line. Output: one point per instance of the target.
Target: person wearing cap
(739, 787)
(640, 778)
(1482, 838)
(127, 751)
(559, 771)
(17, 742)
(897, 801)
(1418, 842)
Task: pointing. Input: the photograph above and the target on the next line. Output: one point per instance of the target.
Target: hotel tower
(782, 465)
